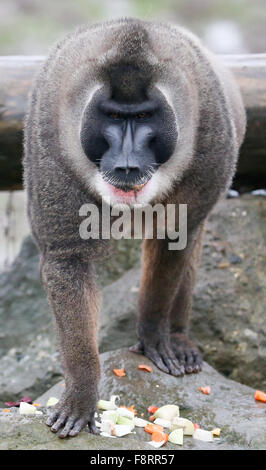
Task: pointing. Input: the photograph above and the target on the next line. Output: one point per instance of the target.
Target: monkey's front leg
(162, 277)
(74, 300)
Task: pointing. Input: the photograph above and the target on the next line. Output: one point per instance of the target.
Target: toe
(52, 418)
(67, 428)
(79, 424)
(59, 422)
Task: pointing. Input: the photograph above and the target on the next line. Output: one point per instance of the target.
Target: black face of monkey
(128, 141)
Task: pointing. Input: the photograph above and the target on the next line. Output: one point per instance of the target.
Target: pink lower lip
(125, 194)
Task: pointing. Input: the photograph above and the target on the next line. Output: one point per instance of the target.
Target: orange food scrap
(159, 436)
(131, 408)
(119, 372)
(196, 426)
(152, 418)
(36, 404)
(145, 368)
(206, 390)
(152, 409)
(260, 396)
(150, 428)
(6, 410)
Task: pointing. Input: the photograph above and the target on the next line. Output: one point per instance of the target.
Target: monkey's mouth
(127, 191)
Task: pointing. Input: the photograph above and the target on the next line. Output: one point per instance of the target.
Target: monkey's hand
(155, 343)
(74, 411)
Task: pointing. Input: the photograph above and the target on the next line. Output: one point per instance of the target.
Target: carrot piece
(152, 409)
(206, 390)
(131, 408)
(119, 372)
(260, 396)
(159, 436)
(150, 428)
(145, 368)
(196, 426)
(36, 404)
(6, 410)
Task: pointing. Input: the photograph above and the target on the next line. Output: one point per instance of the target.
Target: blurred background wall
(226, 26)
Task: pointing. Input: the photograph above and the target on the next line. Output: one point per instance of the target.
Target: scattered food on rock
(206, 390)
(144, 367)
(260, 396)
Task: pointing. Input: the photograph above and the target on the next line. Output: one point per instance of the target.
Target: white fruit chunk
(167, 412)
(176, 436)
(140, 423)
(27, 409)
(52, 401)
(185, 424)
(121, 430)
(163, 422)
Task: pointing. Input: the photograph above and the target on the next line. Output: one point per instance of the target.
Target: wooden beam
(16, 78)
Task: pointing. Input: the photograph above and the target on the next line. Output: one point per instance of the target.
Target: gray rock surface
(230, 406)
(228, 320)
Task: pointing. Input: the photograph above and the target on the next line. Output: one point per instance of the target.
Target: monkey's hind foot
(71, 419)
(186, 352)
(176, 357)
(162, 354)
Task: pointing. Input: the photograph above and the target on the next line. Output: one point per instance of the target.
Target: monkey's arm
(74, 301)
(165, 302)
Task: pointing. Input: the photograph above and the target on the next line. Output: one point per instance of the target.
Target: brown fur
(59, 179)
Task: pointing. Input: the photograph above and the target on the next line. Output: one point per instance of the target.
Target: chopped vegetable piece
(167, 412)
(206, 390)
(110, 415)
(125, 420)
(6, 410)
(196, 426)
(122, 411)
(216, 432)
(140, 423)
(36, 404)
(106, 405)
(121, 430)
(156, 444)
(119, 372)
(52, 401)
(115, 399)
(150, 428)
(107, 426)
(163, 422)
(203, 435)
(152, 409)
(176, 437)
(27, 409)
(130, 408)
(260, 396)
(145, 368)
(152, 418)
(159, 436)
(185, 424)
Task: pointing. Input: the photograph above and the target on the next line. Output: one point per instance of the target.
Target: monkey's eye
(114, 115)
(142, 115)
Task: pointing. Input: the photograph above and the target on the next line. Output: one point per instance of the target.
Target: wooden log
(16, 77)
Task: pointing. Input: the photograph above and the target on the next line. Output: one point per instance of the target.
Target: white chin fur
(156, 187)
